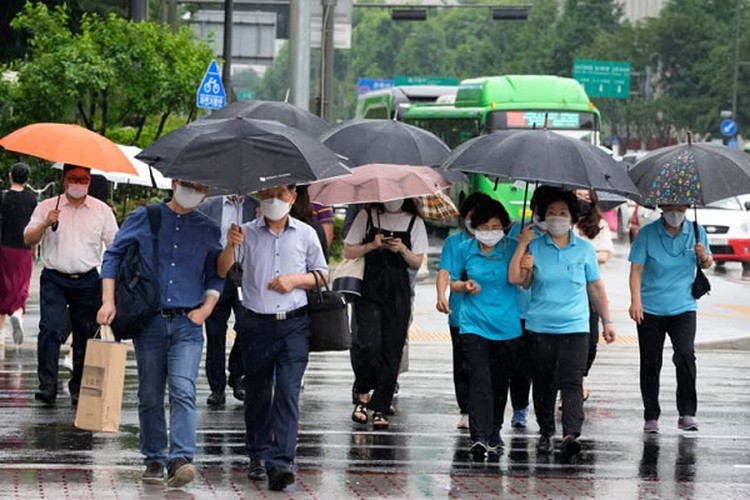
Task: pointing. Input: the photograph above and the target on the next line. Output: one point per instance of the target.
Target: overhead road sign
(365, 85)
(399, 81)
(603, 78)
(211, 94)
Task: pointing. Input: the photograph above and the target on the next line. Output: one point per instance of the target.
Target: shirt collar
(290, 224)
(240, 200)
(66, 201)
(497, 251)
(548, 240)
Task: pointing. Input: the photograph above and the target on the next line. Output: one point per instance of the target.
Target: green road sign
(603, 78)
(423, 80)
(245, 94)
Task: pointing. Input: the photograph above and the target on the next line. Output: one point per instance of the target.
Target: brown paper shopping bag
(100, 400)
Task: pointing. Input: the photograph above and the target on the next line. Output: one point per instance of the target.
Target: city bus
(483, 105)
(389, 103)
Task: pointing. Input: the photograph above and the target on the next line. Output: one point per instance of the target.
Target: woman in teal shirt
(562, 272)
(663, 261)
(489, 322)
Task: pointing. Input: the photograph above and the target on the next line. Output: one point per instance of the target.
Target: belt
(281, 316)
(174, 311)
(74, 276)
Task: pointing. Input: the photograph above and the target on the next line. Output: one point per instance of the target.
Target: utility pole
(327, 55)
(299, 40)
(172, 13)
(139, 10)
(735, 82)
(226, 75)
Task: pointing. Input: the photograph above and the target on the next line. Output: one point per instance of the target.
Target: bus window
(453, 131)
(377, 112)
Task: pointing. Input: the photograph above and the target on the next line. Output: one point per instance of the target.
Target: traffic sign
(728, 128)
(603, 78)
(423, 80)
(365, 85)
(211, 94)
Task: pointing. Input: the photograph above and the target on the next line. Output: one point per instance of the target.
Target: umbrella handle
(56, 224)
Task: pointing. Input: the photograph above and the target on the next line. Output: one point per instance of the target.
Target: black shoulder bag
(329, 318)
(137, 295)
(701, 285)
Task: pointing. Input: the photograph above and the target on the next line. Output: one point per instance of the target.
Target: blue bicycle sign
(211, 94)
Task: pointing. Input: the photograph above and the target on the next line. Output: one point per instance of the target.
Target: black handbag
(137, 295)
(701, 285)
(329, 319)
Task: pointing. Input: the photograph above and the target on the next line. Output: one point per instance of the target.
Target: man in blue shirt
(277, 255)
(225, 211)
(169, 349)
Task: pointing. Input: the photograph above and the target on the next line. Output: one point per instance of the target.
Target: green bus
(391, 102)
(483, 105)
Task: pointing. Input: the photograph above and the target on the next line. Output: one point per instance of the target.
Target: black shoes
(544, 445)
(478, 451)
(46, 396)
(216, 398)
(279, 478)
(74, 399)
(570, 447)
(181, 472)
(239, 392)
(257, 470)
(154, 474)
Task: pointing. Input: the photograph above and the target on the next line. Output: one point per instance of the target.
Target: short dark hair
(488, 209)
(556, 194)
(471, 202)
(539, 193)
(20, 173)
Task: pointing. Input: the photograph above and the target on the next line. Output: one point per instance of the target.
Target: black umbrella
(241, 155)
(283, 112)
(692, 174)
(542, 156)
(364, 142)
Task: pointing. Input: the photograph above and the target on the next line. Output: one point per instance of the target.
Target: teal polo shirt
(447, 263)
(668, 267)
(493, 312)
(524, 295)
(559, 300)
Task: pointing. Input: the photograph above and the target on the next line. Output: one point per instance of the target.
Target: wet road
(422, 455)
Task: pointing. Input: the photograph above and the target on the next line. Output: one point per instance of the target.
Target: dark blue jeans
(279, 348)
(168, 351)
(82, 295)
(216, 341)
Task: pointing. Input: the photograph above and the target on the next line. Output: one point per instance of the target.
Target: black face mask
(584, 208)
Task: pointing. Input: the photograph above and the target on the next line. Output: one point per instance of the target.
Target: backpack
(137, 295)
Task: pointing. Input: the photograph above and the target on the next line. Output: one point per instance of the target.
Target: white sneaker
(463, 422)
(68, 361)
(17, 326)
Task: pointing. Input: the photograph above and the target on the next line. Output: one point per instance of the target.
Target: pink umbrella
(378, 182)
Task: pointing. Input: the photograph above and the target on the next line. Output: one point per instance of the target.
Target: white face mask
(187, 197)
(557, 226)
(674, 219)
(393, 206)
(542, 225)
(489, 238)
(469, 229)
(77, 191)
(275, 209)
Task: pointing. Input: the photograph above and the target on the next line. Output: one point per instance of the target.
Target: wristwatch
(606, 321)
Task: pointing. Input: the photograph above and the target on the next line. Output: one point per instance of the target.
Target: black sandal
(379, 421)
(360, 409)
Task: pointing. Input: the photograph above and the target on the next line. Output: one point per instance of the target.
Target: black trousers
(216, 341)
(490, 363)
(57, 291)
(558, 362)
(593, 338)
(460, 371)
(377, 346)
(520, 377)
(651, 335)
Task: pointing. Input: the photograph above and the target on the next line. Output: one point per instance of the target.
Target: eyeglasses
(78, 180)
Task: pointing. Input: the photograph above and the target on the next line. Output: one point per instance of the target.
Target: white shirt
(391, 222)
(76, 246)
(231, 213)
(603, 241)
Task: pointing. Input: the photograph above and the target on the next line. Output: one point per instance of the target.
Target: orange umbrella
(66, 143)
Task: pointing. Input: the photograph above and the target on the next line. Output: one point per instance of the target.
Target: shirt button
(277, 255)
(172, 264)
(177, 229)
(277, 306)
(175, 246)
(169, 300)
(170, 282)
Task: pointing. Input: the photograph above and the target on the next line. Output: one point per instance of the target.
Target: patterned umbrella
(437, 206)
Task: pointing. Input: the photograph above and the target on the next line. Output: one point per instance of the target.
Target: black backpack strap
(154, 221)
(411, 223)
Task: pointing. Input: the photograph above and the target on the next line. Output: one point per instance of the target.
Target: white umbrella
(142, 179)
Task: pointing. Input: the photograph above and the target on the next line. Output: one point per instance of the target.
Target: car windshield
(726, 204)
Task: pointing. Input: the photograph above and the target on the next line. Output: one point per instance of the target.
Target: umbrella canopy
(364, 142)
(242, 155)
(437, 206)
(378, 183)
(67, 143)
(283, 112)
(144, 172)
(542, 156)
(689, 174)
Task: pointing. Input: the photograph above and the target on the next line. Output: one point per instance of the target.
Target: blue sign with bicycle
(728, 128)
(211, 94)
